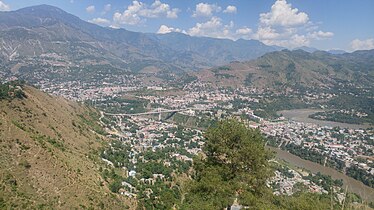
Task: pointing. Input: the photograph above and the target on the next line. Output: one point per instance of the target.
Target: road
(153, 112)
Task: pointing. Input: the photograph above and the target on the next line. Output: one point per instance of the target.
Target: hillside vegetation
(296, 69)
(235, 166)
(234, 169)
(49, 154)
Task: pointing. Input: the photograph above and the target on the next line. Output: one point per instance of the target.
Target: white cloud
(4, 7)
(173, 13)
(114, 26)
(294, 41)
(138, 11)
(215, 28)
(206, 29)
(107, 8)
(130, 15)
(288, 27)
(205, 10)
(165, 29)
(266, 33)
(318, 35)
(230, 9)
(159, 9)
(100, 21)
(90, 9)
(244, 31)
(283, 14)
(366, 44)
(127, 18)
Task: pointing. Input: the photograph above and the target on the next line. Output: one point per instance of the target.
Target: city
(163, 104)
(176, 135)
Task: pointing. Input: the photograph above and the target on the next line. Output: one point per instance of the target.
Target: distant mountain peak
(307, 49)
(42, 7)
(336, 51)
(49, 26)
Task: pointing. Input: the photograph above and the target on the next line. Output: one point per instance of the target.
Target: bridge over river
(158, 111)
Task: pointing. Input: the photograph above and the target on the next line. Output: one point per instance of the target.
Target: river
(302, 115)
(366, 192)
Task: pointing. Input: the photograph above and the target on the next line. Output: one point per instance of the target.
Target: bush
(25, 164)
(115, 186)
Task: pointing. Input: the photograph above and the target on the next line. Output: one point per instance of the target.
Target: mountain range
(296, 68)
(45, 41)
(55, 34)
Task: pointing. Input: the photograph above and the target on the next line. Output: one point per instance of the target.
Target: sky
(323, 24)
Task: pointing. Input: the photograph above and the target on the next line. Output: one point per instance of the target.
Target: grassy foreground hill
(48, 154)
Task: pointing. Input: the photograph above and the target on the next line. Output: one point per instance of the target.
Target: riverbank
(302, 115)
(355, 186)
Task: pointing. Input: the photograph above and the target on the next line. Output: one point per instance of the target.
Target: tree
(115, 186)
(235, 165)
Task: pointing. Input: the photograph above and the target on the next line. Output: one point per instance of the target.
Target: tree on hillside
(236, 165)
(11, 90)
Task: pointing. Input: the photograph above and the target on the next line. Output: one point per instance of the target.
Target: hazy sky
(324, 24)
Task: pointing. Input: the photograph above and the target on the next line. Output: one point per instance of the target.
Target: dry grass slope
(48, 156)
